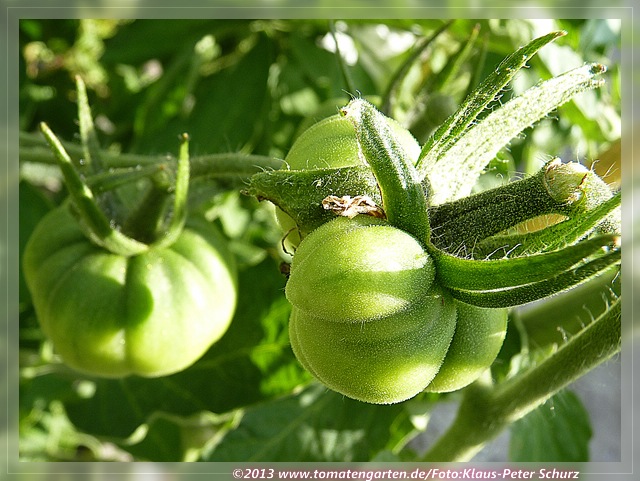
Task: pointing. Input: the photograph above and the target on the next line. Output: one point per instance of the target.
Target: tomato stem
(234, 169)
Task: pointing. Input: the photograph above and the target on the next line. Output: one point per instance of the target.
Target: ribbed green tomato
(370, 321)
(109, 315)
(367, 319)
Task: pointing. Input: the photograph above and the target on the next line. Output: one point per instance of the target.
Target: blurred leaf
(170, 438)
(557, 431)
(314, 425)
(144, 39)
(223, 113)
(320, 67)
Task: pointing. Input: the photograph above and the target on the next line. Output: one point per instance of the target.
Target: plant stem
(228, 165)
(485, 411)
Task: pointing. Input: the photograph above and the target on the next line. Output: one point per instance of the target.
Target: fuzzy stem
(465, 222)
(229, 166)
(486, 411)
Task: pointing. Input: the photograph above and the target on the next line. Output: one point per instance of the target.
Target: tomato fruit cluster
(369, 319)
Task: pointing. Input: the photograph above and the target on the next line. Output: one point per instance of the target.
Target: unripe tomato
(109, 315)
(367, 319)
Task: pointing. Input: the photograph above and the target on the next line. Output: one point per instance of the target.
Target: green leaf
(451, 130)
(454, 173)
(314, 425)
(557, 431)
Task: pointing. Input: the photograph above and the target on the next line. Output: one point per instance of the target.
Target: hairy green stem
(556, 236)
(229, 166)
(556, 319)
(485, 411)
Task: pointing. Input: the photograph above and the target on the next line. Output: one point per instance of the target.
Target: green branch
(235, 167)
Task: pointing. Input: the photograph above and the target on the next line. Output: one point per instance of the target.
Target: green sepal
(532, 292)
(178, 215)
(299, 193)
(454, 170)
(403, 196)
(88, 137)
(93, 221)
(450, 131)
(467, 274)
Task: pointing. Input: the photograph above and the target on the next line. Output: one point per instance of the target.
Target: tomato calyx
(152, 224)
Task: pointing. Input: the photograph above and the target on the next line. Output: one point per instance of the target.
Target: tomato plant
(325, 266)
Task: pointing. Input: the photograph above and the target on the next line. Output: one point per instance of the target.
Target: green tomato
(367, 319)
(370, 321)
(109, 315)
